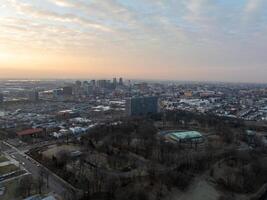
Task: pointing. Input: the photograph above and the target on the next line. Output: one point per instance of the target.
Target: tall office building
(93, 83)
(115, 82)
(85, 83)
(67, 91)
(78, 84)
(1, 98)
(120, 81)
(141, 106)
(101, 83)
(34, 96)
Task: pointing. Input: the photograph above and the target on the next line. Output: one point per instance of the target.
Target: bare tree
(113, 183)
(40, 180)
(25, 186)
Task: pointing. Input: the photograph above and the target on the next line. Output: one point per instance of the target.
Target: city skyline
(187, 40)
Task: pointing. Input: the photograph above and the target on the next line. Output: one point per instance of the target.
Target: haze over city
(133, 99)
(196, 40)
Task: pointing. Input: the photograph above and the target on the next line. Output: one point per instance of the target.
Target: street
(56, 184)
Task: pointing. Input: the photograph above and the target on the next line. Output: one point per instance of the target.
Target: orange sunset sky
(199, 40)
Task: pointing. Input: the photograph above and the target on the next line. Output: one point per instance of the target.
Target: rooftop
(185, 135)
(30, 131)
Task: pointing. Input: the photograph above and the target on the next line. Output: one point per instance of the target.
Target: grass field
(10, 188)
(7, 169)
(3, 159)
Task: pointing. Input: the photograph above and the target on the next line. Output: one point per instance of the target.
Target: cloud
(195, 33)
(62, 3)
(28, 9)
(185, 21)
(253, 6)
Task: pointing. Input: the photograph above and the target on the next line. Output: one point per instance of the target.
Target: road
(56, 184)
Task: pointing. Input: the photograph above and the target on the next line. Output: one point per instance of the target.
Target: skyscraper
(121, 82)
(78, 83)
(141, 106)
(93, 83)
(115, 82)
(101, 83)
(67, 91)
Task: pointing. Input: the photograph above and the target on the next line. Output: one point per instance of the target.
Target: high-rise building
(141, 106)
(1, 98)
(115, 82)
(93, 83)
(120, 81)
(88, 89)
(78, 83)
(67, 91)
(85, 83)
(34, 96)
(101, 83)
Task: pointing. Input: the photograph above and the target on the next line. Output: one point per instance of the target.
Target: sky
(193, 40)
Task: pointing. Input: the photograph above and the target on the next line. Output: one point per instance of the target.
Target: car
(38, 165)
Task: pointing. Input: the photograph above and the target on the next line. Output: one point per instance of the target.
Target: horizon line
(133, 79)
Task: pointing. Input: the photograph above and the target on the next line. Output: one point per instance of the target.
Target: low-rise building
(34, 132)
(185, 136)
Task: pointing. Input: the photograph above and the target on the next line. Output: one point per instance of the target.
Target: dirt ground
(199, 190)
(53, 150)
